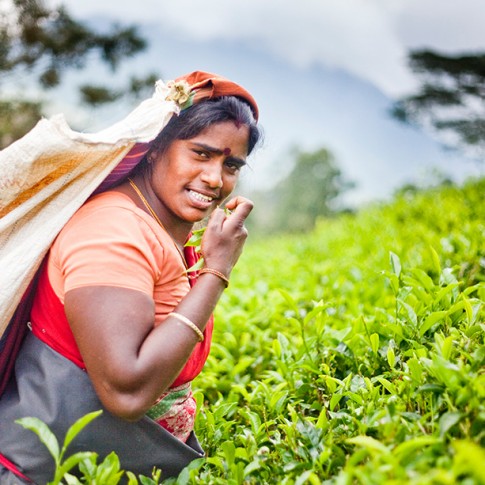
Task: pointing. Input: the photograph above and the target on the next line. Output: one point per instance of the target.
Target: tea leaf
(71, 462)
(197, 266)
(78, 426)
(374, 340)
(469, 460)
(431, 320)
(448, 420)
(370, 444)
(435, 260)
(395, 263)
(391, 357)
(404, 450)
(44, 433)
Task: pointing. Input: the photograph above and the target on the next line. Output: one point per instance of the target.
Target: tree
(311, 190)
(16, 118)
(42, 44)
(451, 99)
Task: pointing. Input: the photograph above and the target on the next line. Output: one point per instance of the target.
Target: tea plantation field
(351, 355)
(354, 354)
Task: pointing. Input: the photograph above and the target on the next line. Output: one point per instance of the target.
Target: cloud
(352, 35)
(367, 38)
(440, 24)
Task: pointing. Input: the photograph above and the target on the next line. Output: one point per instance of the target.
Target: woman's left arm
(129, 360)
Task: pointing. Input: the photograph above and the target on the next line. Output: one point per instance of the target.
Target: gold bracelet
(189, 323)
(217, 273)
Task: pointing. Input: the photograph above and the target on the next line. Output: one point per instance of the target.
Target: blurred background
(359, 99)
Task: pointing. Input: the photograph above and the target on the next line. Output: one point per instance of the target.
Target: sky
(325, 73)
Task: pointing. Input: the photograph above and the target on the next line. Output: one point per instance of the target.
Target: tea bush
(351, 355)
(354, 354)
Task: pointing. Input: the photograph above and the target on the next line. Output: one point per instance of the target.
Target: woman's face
(194, 176)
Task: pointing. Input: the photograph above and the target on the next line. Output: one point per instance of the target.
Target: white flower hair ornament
(177, 91)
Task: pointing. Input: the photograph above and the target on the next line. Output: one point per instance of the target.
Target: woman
(119, 321)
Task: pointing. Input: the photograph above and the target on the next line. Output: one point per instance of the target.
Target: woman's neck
(148, 201)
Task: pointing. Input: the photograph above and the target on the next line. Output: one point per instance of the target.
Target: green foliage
(16, 119)
(41, 44)
(450, 98)
(310, 190)
(354, 354)
(47, 438)
(50, 40)
(108, 472)
(195, 241)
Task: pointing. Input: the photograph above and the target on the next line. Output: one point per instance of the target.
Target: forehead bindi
(226, 152)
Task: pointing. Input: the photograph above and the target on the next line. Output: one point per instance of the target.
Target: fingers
(241, 208)
(225, 235)
(217, 218)
(238, 201)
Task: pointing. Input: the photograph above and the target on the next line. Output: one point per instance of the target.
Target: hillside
(354, 354)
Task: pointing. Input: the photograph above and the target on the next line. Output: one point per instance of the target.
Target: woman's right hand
(225, 235)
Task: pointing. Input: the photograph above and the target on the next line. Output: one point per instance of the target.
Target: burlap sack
(48, 174)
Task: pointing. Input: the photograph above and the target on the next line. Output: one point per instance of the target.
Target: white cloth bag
(48, 174)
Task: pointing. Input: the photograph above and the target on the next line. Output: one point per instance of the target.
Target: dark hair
(192, 121)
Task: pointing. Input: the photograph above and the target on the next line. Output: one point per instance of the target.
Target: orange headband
(208, 86)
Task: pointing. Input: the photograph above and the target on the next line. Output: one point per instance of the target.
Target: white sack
(47, 175)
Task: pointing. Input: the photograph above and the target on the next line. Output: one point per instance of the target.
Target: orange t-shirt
(110, 241)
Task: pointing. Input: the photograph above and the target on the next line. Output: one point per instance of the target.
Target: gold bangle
(223, 277)
(189, 323)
